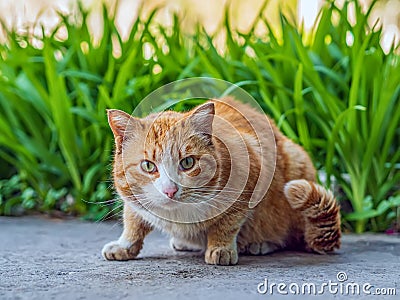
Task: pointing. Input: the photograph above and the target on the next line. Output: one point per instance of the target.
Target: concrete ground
(56, 259)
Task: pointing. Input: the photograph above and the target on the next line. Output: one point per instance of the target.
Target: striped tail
(321, 213)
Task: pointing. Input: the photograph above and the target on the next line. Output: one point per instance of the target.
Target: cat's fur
(296, 212)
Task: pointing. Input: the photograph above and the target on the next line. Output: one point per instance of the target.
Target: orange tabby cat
(172, 170)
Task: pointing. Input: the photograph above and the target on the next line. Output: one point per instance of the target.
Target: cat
(168, 166)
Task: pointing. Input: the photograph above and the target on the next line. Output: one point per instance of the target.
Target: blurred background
(328, 72)
(23, 14)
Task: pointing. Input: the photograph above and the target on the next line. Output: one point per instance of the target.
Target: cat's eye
(187, 163)
(148, 166)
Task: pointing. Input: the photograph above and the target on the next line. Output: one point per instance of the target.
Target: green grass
(340, 101)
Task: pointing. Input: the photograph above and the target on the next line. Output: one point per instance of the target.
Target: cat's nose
(170, 191)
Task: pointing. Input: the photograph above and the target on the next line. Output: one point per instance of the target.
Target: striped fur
(296, 212)
(321, 213)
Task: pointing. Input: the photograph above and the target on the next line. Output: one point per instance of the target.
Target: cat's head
(167, 160)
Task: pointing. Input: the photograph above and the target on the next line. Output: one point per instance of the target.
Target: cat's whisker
(115, 216)
(222, 189)
(119, 222)
(103, 203)
(112, 213)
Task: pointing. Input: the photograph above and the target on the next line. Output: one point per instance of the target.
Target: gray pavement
(43, 258)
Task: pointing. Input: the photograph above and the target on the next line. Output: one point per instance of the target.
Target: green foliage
(335, 91)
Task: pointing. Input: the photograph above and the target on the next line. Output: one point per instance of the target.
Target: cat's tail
(321, 213)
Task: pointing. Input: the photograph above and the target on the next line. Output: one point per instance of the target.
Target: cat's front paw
(221, 256)
(117, 251)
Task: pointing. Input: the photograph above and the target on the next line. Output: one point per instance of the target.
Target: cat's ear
(202, 118)
(118, 121)
(121, 123)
